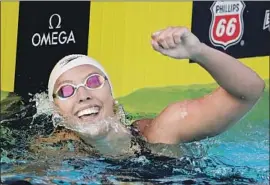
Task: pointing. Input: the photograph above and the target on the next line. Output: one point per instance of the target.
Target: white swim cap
(69, 62)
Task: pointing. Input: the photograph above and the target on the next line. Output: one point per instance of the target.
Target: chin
(94, 127)
(94, 131)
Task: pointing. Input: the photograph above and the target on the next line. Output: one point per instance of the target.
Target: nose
(83, 94)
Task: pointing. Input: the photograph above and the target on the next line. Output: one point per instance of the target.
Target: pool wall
(37, 34)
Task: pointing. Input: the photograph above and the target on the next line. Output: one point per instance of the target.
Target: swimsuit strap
(138, 140)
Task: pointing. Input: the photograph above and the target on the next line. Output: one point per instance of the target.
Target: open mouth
(89, 113)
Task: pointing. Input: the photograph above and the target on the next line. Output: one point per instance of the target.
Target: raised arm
(190, 120)
(237, 79)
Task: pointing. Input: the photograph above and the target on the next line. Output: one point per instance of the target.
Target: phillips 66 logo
(227, 24)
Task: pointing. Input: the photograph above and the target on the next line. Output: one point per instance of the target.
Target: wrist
(199, 53)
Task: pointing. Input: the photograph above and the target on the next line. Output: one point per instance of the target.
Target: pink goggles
(67, 90)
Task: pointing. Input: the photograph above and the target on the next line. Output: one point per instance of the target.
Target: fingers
(179, 34)
(156, 34)
(168, 38)
(156, 46)
(163, 39)
(176, 37)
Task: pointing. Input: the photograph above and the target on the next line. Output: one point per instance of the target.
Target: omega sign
(53, 37)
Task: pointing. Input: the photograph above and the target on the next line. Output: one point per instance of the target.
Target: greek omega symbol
(56, 17)
(54, 36)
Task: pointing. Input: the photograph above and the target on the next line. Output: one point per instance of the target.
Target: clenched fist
(176, 42)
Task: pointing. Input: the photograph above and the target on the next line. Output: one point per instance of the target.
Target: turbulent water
(235, 157)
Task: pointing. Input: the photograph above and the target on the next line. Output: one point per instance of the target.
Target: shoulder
(141, 125)
(194, 119)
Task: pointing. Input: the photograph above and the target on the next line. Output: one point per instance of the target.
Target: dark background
(34, 64)
(256, 40)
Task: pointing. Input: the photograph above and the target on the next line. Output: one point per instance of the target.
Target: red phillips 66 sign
(227, 24)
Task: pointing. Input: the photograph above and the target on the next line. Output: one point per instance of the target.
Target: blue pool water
(238, 156)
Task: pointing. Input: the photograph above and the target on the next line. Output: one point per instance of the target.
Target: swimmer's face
(85, 105)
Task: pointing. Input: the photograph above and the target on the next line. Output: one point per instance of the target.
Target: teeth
(91, 110)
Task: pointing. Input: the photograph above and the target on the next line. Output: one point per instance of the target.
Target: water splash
(21, 122)
(205, 164)
(42, 104)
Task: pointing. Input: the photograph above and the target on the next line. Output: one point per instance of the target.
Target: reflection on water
(153, 169)
(220, 160)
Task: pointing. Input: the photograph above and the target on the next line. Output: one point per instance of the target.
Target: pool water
(238, 156)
